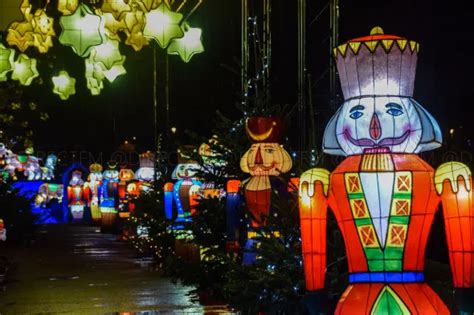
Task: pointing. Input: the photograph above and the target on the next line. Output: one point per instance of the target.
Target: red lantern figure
(3, 231)
(125, 177)
(78, 195)
(384, 196)
(94, 181)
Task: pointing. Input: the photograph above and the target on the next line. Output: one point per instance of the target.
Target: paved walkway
(78, 270)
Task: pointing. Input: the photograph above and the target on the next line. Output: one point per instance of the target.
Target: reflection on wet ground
(78, 270)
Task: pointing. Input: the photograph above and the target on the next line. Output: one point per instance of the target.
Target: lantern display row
(94, 34)
(383, 195)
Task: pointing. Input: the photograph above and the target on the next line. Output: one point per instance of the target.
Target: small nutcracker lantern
(94, 182)
(264, 161)
(126, 176)
(383, 195)
(184, 192)
(108, 195)
(77, 195)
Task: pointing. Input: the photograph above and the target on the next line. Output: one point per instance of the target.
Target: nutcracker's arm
(453, 182)
(313, 204)
(86, 194)
(233, 215)
(168, 197)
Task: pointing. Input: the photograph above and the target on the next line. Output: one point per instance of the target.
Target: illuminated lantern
(49, 167)
(108, 195)
(185, 190)
(7, 57)
(187, 46)
(64, 85)
(67, 7)
(20, 34)
(107, 53)
(3, 231)
(43, 31)
(111, 25)
(148, 5)
(116, 7)
(94, 77)
(81, 30)
(94, 181)
(24, 70)
(264, 161)
(24, 165)
(383, 195)
(125, 177)
(48, 192)
(77, 195)
(162, 25)
(134, 26)
(232, 207)
(211, 163)
(146, 171)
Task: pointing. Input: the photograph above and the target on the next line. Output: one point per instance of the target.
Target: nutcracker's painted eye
(356, 112)
(394, 109)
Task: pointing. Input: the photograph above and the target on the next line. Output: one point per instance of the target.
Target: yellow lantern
(67, 7)
(64, 85)
(116, 7)
(24, 70)
(134, 25)
(162, 24)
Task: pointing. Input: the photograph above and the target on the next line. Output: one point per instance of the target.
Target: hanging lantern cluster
(36, 30)
(95, 35)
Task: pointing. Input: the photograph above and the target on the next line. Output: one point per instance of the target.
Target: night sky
(210, 81)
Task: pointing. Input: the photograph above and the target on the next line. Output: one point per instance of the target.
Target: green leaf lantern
(163, 25)
(187, 46)
(7, 56)
(64, 85)
(24, 70)
(81, 30)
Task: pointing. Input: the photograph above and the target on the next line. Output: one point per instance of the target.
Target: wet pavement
(78, 270)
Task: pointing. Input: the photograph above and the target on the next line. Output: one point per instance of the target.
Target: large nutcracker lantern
(94, 181)
(383, 195)
(77, 195)
(264, 161)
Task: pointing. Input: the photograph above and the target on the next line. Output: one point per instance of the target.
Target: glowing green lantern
(162, 24)
(64, 85)
(6, 61)
(107, 53)
(24, 70)
(187, 46)
(81, 30)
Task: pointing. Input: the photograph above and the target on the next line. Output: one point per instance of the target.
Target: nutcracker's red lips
(366, 142)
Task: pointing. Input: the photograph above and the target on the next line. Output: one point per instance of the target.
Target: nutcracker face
(76, 178)
(146, 174)
(111, 175)
(126, 175)
(266, 159)
(51, 161)
(398, 124)
(185, 171)
(95, 177)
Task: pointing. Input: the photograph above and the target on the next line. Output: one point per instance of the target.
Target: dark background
(211, 81)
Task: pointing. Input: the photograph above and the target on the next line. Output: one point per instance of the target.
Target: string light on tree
(64, 85)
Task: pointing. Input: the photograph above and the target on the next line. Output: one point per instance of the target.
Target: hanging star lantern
(67, 7)
(94, 78)
(64, 85)
(116, 7)
(24, 70)
(162, 24)
(43, 31)
(107, 53)
(7, 56)
(111, 25)
(187, 46)
(134, 25)
(20, 34)
(81, 30)
(148, 5)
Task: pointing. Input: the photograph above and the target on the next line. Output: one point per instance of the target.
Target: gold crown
(95, 168)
